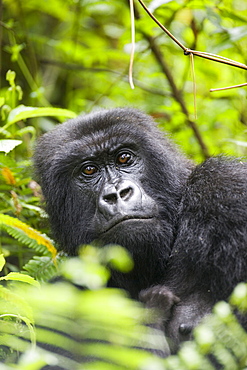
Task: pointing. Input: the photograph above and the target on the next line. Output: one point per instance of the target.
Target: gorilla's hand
(161, 298)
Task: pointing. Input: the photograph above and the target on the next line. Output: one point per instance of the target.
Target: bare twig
(229, 87)
(176, 93)
(132, 18)
(216, 58)
(213, 57)
(162, 27)
(194, 82)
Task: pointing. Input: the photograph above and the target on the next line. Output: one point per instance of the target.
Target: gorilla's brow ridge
(95, 145)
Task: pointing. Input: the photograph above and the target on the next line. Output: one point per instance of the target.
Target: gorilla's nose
(124, 193)
(121, 198)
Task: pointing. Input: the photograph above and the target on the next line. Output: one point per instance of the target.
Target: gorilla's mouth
(114, 223)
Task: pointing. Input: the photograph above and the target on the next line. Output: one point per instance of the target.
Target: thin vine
(187, 51)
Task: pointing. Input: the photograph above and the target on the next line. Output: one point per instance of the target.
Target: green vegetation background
(75, 55)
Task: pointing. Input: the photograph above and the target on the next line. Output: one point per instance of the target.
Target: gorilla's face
(112, 183)
(111, 177)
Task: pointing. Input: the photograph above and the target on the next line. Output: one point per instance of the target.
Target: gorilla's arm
(209, 257)
(162, 301)
(210, 251)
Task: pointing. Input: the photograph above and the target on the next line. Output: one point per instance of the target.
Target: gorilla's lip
(114, 223)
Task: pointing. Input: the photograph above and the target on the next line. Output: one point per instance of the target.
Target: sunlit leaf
(8, 145)
(23, 112)
(20, 277)
(2, 261)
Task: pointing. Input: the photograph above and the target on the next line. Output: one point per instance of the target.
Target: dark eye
(123, 158)
(89, 170)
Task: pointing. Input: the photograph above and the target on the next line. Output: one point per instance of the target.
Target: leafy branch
(27, 235)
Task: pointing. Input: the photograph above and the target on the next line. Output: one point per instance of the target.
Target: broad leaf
(8, 145)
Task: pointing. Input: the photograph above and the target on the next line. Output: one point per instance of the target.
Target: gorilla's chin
(132, 234)
(129, 223)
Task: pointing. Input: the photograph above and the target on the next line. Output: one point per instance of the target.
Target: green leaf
(2, 261)
(14, 304)
(8, 145)
(23, 112)
(118, 258)
(239, 296)
(89, 274)
(20, 277)
(10, 76)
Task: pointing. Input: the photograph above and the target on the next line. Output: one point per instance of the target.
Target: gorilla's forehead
(111, 125)
(111, 136)
(95, 138)
(103, 142)
(102, 132)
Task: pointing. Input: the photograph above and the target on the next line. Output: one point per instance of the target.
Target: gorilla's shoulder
(220, 171)
(219, 183)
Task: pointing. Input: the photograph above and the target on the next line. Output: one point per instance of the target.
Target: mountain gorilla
(112, 177)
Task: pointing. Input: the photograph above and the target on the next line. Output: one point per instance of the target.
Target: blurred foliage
(74, 326)
(20, 196)
(59, 58)
(102, 329)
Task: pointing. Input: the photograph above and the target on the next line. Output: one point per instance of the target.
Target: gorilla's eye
(89, 170)
(123, 158)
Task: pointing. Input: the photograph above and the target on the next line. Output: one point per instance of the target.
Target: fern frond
(27, 235)
(13, 304)
(41, 268)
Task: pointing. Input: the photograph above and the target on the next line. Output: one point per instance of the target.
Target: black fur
(191, 235)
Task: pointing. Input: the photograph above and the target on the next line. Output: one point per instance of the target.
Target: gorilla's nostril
(126, 192)
(110, 198)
